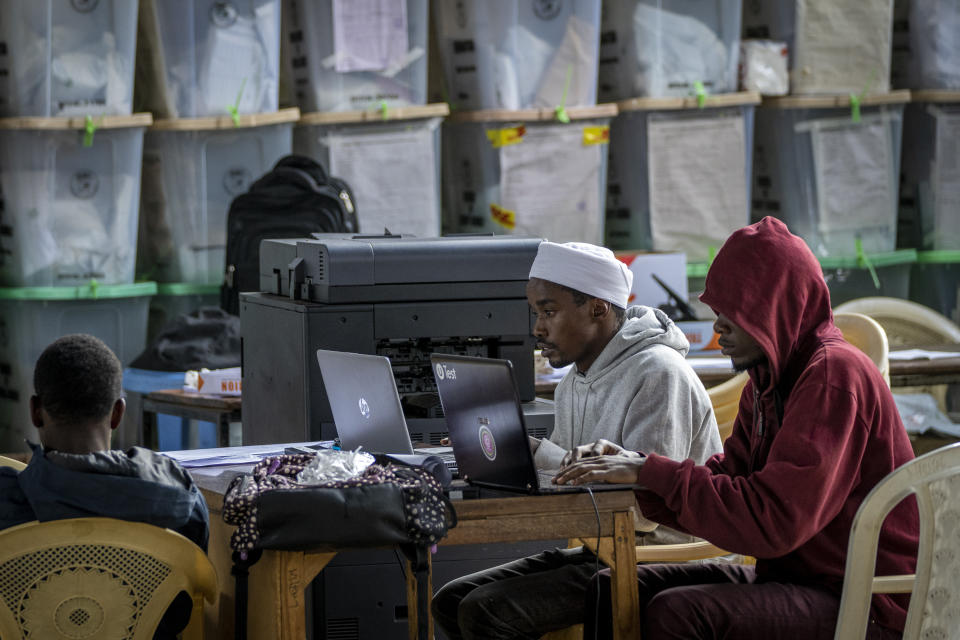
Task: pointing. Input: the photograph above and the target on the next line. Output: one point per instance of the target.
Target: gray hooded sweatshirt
(640, 393)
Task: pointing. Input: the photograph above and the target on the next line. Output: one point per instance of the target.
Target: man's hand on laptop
(618, 468)
(599, 448)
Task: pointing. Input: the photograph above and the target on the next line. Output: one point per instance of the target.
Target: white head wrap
(588, 268)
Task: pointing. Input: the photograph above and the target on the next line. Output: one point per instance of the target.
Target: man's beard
(749, 364)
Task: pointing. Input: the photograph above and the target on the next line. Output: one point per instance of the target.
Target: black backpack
(296, 198)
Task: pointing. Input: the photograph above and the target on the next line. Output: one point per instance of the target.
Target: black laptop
(485, 420)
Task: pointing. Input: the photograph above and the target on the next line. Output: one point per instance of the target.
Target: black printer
(399, 296)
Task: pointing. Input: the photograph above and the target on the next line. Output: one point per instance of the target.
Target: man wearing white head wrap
(630, 384)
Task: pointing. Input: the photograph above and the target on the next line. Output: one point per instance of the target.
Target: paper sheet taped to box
(698, 182)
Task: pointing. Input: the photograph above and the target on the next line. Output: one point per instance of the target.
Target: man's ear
(116, 415)
(36, 415)
(600, 308)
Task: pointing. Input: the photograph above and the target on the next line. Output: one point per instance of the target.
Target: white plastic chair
(935, 604)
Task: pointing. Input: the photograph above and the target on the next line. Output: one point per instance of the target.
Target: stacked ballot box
(935, 282)
(830, 170)
(390, 159)
(33, 317)
(62, 58)
(878, 274)
(518, 54)
(834, 46)
(679, 173)
(68, 191)
(523, 172)
(934, 37)
(661, 48)
(193, 169)
(352, 56)
(200, 58)
(931, 170)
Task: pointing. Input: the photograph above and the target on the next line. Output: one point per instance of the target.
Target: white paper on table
(369, 35)
(551, 181)
(853, 167)
(921, 354)
(698, 182)
(394, 177)
(842, 46)
(946, 181)
(233, 61)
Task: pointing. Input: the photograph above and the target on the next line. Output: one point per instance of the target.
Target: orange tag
(596, 135)
(503, 137)
(504, 217)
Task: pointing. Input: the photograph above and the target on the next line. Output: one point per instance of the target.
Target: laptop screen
(485, 420)
(364, 401)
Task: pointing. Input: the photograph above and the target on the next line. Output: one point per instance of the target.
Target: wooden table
(220, 410)
(276, 600)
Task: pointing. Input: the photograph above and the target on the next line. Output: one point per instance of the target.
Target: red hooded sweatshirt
(817, 428)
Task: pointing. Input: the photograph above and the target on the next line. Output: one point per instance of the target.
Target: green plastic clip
(89, 128)
(855, 107)
(701, 92)
(383, 111)
(234, 109)
(864, 261)
(94, 287)
(561, 109)
(711, 254)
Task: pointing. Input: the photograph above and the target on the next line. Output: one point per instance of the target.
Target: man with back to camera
(74, 473)
(817, 429)
(630, 384)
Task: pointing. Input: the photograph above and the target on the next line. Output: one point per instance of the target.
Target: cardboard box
(669, 267)
(700, 335)
(221, 382)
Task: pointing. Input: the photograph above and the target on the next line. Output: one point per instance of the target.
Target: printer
(398, 296)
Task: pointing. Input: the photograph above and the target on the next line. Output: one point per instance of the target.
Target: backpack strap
(419, 558)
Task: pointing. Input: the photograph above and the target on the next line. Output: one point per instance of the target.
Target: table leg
(413, 619)
(625, 596)
(148, 429)
(223, 432)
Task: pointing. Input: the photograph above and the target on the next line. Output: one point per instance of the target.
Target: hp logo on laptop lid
(364, 407)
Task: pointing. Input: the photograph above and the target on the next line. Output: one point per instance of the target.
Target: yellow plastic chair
(13, 464)
(935, 480)
(725, 398)
(98, 578)
(905, 323)
(866, 334)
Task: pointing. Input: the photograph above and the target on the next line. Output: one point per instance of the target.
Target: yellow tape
(504, 217)
(503, 137)
(596, 135)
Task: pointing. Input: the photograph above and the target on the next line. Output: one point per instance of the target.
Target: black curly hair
(78, 378)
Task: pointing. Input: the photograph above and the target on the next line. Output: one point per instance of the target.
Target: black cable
(596, 561)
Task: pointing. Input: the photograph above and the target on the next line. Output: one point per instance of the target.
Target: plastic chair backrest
(725, 398)
(98, 577)
(905, 322)
(935, 480)
(13, 464)
(866, 334)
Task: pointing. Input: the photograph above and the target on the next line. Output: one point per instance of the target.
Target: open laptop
(487, 429)
(366, 406)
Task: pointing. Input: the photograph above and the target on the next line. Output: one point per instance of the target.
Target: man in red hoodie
(817, 429)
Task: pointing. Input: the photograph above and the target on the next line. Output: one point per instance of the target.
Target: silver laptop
(366, 406)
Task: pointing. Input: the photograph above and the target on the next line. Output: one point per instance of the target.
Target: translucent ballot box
(931, 168)
(174, 299)
(32, 318)
(934, 44)
(663, 48)
(193, 169)
(679, 173)
(391, 160)
(523, 172)
(878, 274)
(518, 54)
(831, 170)
(69, 190)
(835, 46)
(62, 58)
(207, 57)
(935, 282)
(344, 55)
